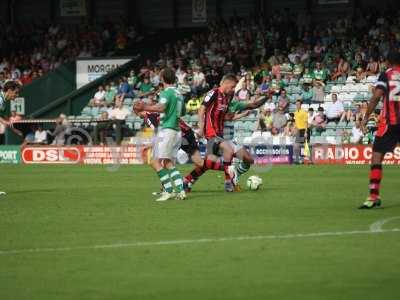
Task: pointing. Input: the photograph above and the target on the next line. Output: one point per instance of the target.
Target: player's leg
(227, 154)
(160, 155)
(246, 160)
(175, 175)
(385, 141)
(210, 162)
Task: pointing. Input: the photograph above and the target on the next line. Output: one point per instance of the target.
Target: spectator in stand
(265, 120)
(307, 94)
(26, 78)
(101, 129)
(124, 90)
(40, 136)
(320, 120)
(279, 120)
(335, 110)
(298, 67)
(199, 81)
(117, 118)
(243, 94)
(193, 106)
(62, 129)
(320, 73)
(14, 117)
(270, 104)
(308, 76)
(372, 67)
(290, 128)
(99, 97)
(265, 85)
(342, 69)
(109, 96)
(356, 133)
(283, 101)
(318, 92)
(145, 88)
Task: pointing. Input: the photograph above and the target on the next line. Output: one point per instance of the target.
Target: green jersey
(4, 106)
(320, 74)
(237, 106)
(173, 101)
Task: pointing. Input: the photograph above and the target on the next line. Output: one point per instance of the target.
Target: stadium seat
(128, 101)
(87, 111)
(95, 111)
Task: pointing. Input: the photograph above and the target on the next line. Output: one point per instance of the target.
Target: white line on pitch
(377, 226)
(199, 241)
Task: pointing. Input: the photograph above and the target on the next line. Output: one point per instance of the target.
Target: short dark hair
(299, 100)
(394, 57)
(168, 76)
(10, 85)
(230, 77)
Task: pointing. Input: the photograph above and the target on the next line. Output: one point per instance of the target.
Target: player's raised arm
(257, 103)
(141, 106)
(237, 116)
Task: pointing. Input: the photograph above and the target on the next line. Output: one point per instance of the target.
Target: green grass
(80, 207)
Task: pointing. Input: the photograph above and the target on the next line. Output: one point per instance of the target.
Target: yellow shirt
(301, 119)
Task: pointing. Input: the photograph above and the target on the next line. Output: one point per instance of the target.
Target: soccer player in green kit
(8, 93)
(168, 140)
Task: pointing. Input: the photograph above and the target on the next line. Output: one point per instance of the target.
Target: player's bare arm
(141, 106)
(236, 116)
(202, 112)
(257, 103)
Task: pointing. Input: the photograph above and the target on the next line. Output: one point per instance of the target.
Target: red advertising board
(350, 155)
(130, 154)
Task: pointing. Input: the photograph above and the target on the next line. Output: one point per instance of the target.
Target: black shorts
(189, 143)
(386, 138)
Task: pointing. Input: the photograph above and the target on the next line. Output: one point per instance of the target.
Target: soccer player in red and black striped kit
(216, 108)
(388, 134)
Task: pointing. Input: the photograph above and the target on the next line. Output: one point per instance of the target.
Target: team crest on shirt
(209, 96)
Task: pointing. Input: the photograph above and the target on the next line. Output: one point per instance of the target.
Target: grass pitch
(73, 232)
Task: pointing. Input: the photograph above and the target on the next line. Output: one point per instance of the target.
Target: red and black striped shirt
(389, 82)
(217, 105)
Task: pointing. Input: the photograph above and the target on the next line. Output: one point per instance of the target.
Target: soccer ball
(253, 183)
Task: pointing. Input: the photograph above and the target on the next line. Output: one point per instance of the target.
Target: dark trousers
(101, 129)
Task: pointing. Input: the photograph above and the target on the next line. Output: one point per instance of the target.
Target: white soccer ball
(253, 183)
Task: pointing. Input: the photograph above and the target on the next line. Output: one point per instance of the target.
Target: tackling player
(216, 108)
(168, 141)
(9, 93)
(388, 133)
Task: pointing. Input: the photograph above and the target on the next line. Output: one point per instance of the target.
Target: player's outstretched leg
(375, 177)
(209, 163)
(243, 167)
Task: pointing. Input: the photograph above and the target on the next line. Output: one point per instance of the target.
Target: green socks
(243, 167)
(165, 180)
(177, 179)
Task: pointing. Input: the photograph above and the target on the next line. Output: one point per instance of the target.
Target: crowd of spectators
(272, 54)
(30, 50)
(266, 54)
